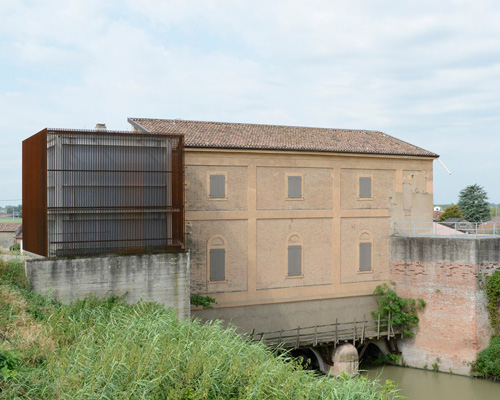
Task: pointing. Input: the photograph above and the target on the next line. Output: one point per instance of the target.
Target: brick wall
(447, 274)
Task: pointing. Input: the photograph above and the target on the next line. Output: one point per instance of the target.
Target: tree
(451, 212)
(473, 203)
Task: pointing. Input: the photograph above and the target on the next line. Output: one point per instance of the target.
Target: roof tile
(277, 137)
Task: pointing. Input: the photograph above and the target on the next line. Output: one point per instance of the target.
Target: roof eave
(435, 156)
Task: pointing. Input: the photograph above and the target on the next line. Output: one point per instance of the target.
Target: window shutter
(217, 186)
(294, 260)
(217, 264)
(365, 187)
(365, 256)
(294, 187)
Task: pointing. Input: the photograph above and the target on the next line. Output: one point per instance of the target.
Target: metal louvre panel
(365, 256)
(217, 264)
(114, 192)
(294, 187)
(294, 260)
(218, 186)
(365, 187)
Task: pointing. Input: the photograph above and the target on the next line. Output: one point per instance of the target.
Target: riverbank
(95, 349)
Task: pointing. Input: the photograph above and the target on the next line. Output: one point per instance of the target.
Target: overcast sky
(427, 72)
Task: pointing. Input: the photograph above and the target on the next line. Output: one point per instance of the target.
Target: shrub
(402, 311)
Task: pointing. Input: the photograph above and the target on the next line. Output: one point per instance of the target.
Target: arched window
(216, 259)
(294, 255)
(365, 253)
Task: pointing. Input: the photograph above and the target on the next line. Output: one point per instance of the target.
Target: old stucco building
(291, 226)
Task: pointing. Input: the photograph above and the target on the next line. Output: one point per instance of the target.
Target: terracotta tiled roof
(276, 137)
(9, 226)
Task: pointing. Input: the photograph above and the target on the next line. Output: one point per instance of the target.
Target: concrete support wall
(273, 317)
(447, 273)
(163, 278)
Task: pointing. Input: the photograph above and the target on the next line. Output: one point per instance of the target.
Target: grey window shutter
(294, 260)
(365, 256)
(217, 186)
(365, 187)
(294, 187)
(217, 264)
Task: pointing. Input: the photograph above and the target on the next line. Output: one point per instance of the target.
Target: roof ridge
(255, 124)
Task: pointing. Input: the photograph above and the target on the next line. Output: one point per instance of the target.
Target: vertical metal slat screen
(114, 192)
(294, 260)
(365, 256)
(365, 187)
(217, 264)
(294, 187)
(217, 186)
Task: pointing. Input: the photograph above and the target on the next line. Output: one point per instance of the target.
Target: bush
(487, 364)
(402, 311)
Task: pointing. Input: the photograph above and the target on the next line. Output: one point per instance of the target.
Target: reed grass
(107, 349)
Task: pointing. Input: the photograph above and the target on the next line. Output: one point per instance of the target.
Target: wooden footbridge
(329, 334)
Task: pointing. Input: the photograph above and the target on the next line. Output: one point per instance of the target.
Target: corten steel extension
(102, 192)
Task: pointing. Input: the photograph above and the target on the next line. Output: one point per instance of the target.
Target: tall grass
(106, 349)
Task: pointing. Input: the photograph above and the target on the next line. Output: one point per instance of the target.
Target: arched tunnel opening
(369, 353)
(307, 358)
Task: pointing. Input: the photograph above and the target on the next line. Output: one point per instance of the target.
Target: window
(217, 186)
(216, 256)
(365, 187)
(365, 252)
(294, 255)
(294, 187)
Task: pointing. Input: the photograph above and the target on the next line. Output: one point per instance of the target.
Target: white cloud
(426, 72)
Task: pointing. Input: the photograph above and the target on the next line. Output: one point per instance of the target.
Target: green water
(416, 384)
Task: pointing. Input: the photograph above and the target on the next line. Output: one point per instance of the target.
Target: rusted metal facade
(102, 192)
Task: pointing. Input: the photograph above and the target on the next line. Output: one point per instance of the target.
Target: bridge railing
(329, 334)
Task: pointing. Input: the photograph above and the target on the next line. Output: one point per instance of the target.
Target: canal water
(416, 384)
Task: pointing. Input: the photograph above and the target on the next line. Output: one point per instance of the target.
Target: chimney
(100, 127)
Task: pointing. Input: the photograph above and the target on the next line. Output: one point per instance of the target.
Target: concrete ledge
(469, 250)
(163, 278)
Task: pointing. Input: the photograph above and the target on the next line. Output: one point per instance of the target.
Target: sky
(426, 72)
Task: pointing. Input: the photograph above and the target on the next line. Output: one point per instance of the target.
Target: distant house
(460, 224)
(7, 233)
(492, 227)
(436, 214)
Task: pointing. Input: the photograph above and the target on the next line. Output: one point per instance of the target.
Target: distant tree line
(14, 209)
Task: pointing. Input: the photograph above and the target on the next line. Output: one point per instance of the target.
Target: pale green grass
(105, 349)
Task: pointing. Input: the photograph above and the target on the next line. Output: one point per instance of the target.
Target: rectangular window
(294, 187)
(294, 260)
(217, 265)
(218, 186)
(365, 257)
(365, 187)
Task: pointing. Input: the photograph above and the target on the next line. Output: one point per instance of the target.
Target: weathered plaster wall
(447, 274)
(163, 278)
(257, 217)
(276, 316)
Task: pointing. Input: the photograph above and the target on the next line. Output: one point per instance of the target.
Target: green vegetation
(107, 349)
(487, 364)
(203, 301)
(473, 203)
(451, 212)
(401, 310)
(494, 211)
